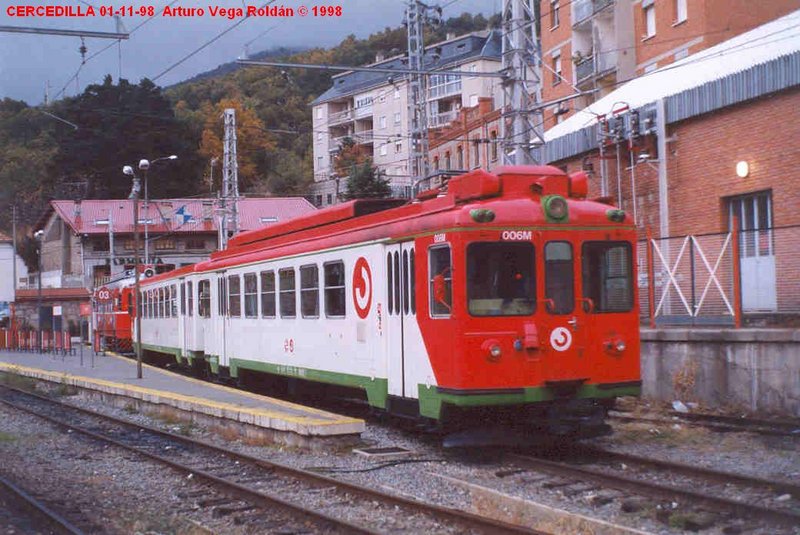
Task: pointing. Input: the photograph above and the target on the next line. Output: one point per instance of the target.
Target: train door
(216, 344)
(565, 319)
(183, 332)
(400, 311)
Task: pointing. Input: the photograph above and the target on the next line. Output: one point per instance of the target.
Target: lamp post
(144, 165)
(134, 196)
(39, 234)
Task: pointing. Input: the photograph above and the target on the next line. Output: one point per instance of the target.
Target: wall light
(742, 169)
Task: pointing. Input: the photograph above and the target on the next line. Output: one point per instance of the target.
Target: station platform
(116, 376)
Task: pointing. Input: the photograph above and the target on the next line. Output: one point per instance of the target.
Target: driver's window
(441, 284)
(559, 277)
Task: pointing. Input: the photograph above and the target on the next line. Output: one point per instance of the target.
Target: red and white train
(505, 295)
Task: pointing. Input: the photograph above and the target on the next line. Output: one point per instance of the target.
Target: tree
(349, 156)
(367, 182)
(121, 124)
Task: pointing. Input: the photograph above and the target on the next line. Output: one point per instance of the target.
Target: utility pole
(230, 178)
(111, 243)
(417, 14)
(522, 117)
(14, 248)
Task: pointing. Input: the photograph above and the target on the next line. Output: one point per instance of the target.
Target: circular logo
(560, 338)
(362, 287)
(104, 294)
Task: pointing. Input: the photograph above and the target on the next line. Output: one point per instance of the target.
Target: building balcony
(360, 138)
(583, 10)
(363, 111)
(340, 117)
(595, 66)
(442, 119)
(444, 90)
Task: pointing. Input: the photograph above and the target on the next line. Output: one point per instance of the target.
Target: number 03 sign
(362, 287)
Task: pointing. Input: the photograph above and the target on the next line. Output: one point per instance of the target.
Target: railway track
(33, 514)
(691, 488)
(255, 491)
(716, 422)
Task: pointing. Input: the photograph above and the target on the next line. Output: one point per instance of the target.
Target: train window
(608, 276)
(396, 258)
(160, 308)
(413, 284)
(204, 298)
(190, 298)
(501, 279)
(441, 283)
(405, 282)
(267, 294)
(309, 291)
(334, 290)
(166, 300)
(389, 284)
(288, 302)
(183, 299)
(250, 295)
(559, 277)
(235, 296)
(173, 290)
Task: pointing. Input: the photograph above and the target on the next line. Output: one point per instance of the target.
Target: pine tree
(367, 182)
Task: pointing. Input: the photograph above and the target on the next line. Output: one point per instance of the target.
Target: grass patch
(130, 408)
(7, 437)
(18, 381)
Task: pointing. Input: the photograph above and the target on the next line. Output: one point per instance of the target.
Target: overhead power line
(66, 33)
(346, 68)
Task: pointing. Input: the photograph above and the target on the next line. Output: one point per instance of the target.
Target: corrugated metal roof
(761, 61)
(175, 215)
(485, 44)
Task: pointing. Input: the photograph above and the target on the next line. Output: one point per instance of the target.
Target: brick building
(470, 141)
(595, 45)
(693, 147)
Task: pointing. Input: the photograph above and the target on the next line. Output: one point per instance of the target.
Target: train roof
(514, 194)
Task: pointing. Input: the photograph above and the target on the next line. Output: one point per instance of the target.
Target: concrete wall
(755, 370)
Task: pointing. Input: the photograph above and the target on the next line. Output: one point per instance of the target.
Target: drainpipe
(663, 190)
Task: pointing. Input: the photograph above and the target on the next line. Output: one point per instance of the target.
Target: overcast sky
(29, 62)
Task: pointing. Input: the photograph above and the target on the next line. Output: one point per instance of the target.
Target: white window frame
(649, 21)
(384, 150)
(382, 122)
(681, 11)
(397, 118)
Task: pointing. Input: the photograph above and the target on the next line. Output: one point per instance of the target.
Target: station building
(694, 149)
(84, 243)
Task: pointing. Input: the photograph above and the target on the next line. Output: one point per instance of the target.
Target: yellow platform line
(276, 420)
(243, 393)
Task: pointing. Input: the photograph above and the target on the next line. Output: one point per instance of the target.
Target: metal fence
(695, 280)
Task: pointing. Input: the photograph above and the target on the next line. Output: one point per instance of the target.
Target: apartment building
(371, 108)
(596, 45)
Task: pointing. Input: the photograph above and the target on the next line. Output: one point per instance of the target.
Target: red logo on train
(362, 287)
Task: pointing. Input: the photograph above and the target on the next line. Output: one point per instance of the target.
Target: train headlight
(491, 348)
(556, 208)
(620, 346)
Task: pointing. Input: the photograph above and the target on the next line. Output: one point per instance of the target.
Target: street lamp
(134, 196)
(39, 234)
(144, 165)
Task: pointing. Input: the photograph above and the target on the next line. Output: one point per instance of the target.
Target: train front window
(608, 276)
(501, 279)
(559, 276)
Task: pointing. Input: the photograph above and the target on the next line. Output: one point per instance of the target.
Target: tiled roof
(174, 215)
(485, 44)
(52, 293)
